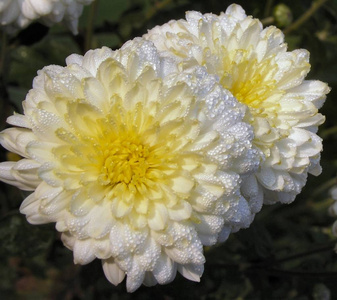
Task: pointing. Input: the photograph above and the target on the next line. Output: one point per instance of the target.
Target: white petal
(16, 140)
(135, 278)
(112, 272)
(149, 279)
(26, 172)
(191, 272)
(158, 216)
(96, 94)
(7, 174)
(181, 211)
(18, 120)
(165, 270)
(84, 251)
(68, 240)
(30, 208)
(223, 235)
(93, 58)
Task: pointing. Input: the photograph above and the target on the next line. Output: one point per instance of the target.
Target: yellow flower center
(250, 81)
(126, 161)
(253, 91)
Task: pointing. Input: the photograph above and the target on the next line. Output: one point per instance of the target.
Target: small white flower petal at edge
(138, 163)
(18, 14)
(253, 63)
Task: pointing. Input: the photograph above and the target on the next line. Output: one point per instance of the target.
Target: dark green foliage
(287, 253)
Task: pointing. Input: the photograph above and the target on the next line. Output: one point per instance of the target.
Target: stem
(267, 21)
(90, 26)
(269, 5)
(4, 64)
(158, 6)
(324, 187)
(328, 247)
(329, 131)
(301, 20)
(3, 53)
(304, 274)
(267, 264)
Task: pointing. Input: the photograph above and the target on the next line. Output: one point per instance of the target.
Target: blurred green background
(287, 253)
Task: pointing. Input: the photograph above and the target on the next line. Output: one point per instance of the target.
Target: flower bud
(282, 15)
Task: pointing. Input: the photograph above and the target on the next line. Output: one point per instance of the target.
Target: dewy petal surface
(138, 162)
(254, 64)
(17, 14)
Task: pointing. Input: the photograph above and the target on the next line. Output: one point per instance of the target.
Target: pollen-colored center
(252, 91)
(250, 81)
(126, 161)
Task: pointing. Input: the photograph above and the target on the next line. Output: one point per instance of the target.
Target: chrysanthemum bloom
(253, 63)
(138, 164)
(16, 14)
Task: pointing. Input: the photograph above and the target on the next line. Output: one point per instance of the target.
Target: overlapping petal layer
(16, 14)
(253, 63)
(138, 162)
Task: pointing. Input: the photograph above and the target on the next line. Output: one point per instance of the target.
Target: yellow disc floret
(126, 161)
(250, 81)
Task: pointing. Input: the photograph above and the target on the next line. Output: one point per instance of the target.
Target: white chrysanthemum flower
(138, 163)
(16, 14)
(253, 63)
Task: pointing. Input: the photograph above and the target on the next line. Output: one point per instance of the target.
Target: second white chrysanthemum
(138, 163)
(253, 63)
(16, 14)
